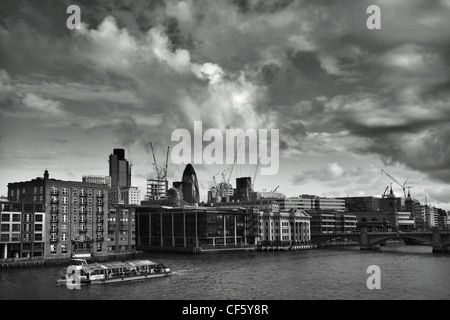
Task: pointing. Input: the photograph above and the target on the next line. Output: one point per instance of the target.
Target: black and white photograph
(224, 154)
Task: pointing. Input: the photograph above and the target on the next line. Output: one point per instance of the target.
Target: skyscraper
(119, 169)
(190, 189)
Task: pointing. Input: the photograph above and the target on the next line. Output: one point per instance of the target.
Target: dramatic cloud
(137, 70)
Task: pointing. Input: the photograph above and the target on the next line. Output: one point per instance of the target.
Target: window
(37, 227)
(41, 190)
(99, 247)
(64, 237)
(38, 218)
(74, 227)
(90, 193)
(65, 200)
(89, 201)
(64, 209)
(90, 210)
(5, 228)
(41, 198)
(82, 210)
(75, 209)
(64, 218)
(53, 237)
(52, 249)
(63, 248)
(54, 219)
(64, 191)
(38, 237)
(74, 199)
(5, 216)
(15, 237)
(26, 237)
(74, 192)
(4, 238)
(64, 227)
(74, 218)
(53, 228)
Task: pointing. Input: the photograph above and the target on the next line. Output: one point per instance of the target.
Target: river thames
(407, 272)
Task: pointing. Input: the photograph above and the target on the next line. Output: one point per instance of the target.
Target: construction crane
(161, 173)
(403, 186)
(385, 190)
(275, 190)
(214, 178)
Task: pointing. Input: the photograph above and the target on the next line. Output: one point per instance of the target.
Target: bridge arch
(380, 239)
(446, 244)
(323, 239)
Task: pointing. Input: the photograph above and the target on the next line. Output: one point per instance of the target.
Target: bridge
(438, 239)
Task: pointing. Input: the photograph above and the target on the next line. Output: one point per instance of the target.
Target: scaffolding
(156, 189)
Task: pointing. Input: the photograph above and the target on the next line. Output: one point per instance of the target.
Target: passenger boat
(79, 272)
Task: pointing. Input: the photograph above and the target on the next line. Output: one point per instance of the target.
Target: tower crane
(403, 186)
(385, 190)
(214, 178)
(275, 190)
(161, 173)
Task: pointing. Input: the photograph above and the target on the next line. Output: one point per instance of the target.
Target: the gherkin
(190, 177)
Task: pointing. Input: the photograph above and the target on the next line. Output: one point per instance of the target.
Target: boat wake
(181, 272)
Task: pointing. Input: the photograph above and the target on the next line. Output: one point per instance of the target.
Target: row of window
(16, 227)
(65, 191)
(65, 209)
(65, 200)
(6, 217)
(83, 227)
(64, 237)
(16, 237)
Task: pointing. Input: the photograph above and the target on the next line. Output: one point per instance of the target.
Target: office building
(119, 170)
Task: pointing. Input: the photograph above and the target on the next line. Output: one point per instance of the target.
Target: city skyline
(348, 101)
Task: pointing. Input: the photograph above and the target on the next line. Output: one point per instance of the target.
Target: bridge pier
(438, 243)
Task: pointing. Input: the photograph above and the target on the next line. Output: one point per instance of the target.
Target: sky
(347, 100)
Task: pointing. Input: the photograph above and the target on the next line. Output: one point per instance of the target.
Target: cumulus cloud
(313, 70)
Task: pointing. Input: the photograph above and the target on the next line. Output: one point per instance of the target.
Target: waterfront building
(22, 229)
(75, 214)
(331, 221)
(284, 226)
(161, 223)
(121, 229)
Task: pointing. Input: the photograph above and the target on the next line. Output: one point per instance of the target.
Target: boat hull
(113, 280)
